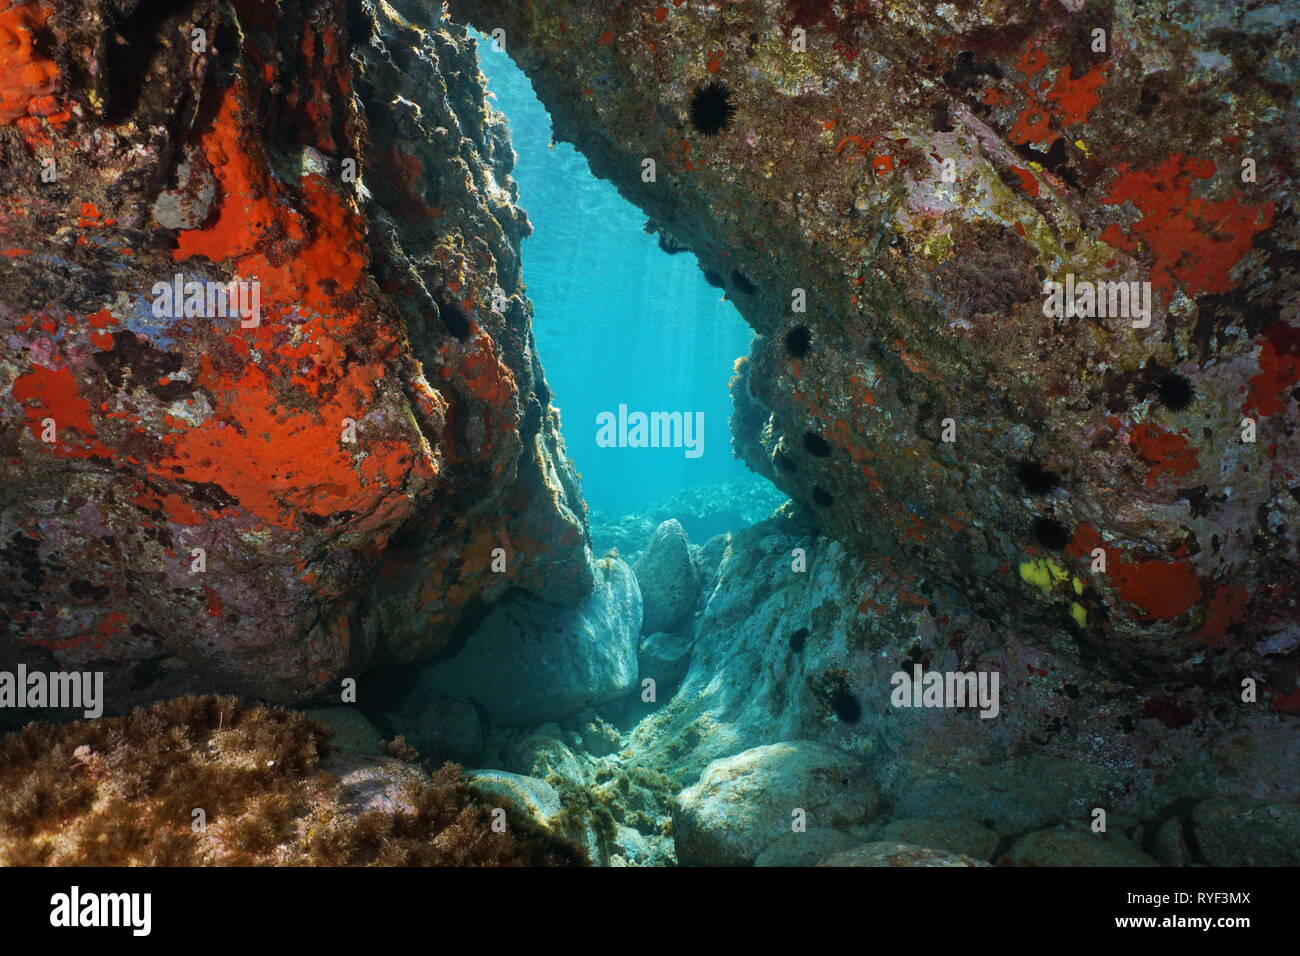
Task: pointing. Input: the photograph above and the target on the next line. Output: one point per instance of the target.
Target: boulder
(542, 805)
(885, 853)
(805, 849)
(1171, 844)
(965, 837)
(352, 732)
(743, 803)
(599, 737)
(373, 783)
(449, 728)
(631, 847)
(545, 751)
(664, 657)
(1071, 846)
(1022, 794)
(1242, 832)
(529, 661)
(533, 797)
(708, 558)
(668, 577)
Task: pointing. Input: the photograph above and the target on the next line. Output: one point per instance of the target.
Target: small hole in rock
(741, 282)
(797, 639)
(846, 705)
(1036, 479)
(816, 445)
(1051, 533)
(454, 318)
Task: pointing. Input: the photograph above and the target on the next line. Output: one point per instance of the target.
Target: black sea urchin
(1051, 533)
(1175, 392)
(711, 109)
(798, 341)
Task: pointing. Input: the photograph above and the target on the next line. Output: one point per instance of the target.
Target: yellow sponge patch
(1042, 574)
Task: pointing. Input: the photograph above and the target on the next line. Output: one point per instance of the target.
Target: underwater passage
(548, 433)
(626, 330)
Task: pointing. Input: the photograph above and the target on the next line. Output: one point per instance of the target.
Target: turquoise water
(618, 320)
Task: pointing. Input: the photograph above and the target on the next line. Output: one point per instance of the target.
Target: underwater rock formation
(883, 190)
(941, 833)
(741, 804)
(703, 511)
(529, 661)
(1075, 846)
(807, 848)
(271, 414)
(1236, 832)
(668, 579)
(780, 656)
(444, 728)
(215, 781)
(663, 658)
(267, 485)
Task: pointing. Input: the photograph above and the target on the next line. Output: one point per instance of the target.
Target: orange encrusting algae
(275, 459)
(1161, 589)
(1165, 451)
(1279, 370)
(1069, 102)
(1195, 243)
(51, 394)
(28, 78)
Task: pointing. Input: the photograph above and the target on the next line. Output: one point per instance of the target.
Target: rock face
(668, 578)
(267, 500)
(530, 661)
(883, 191)
(1020, 794)
(743, 803)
